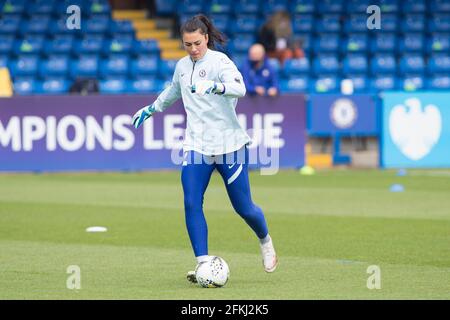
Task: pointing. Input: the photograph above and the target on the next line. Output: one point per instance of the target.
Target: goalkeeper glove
(206, 87)
(142, 115)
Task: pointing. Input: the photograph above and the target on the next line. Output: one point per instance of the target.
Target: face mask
(254, 63)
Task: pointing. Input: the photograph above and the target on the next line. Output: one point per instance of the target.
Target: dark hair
(202, 23)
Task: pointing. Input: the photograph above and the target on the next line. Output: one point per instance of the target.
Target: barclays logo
(414, 129)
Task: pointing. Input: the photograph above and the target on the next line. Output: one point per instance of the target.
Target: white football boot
(191, 277)
(270, 260)
(191, 274)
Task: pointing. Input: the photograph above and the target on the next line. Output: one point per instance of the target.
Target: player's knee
(192, 204)
(248, 211)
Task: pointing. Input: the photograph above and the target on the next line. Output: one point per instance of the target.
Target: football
(212, 273)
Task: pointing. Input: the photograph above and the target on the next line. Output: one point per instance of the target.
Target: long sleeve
(170, 94)
(231, 78)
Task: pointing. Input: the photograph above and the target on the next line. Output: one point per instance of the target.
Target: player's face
(195, 44)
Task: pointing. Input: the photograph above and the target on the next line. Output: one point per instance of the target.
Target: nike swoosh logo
(235, 175)
(182, 74)
(229, 167)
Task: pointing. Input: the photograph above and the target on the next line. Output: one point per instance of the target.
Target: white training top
(212, 127)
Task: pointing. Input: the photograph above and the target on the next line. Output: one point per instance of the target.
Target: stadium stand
(127, 53)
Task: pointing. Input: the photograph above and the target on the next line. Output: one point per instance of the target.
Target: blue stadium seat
(62, 6)
(412, 42)
(275, 64)
(90, 44)
(6, 43)
(85, 66)
(145, 86)
(412, 83)
(60, 44)
(148, 46)
(356, 6)
(218, 6)
(303, 23)
(221, 21)
(326, 84)
(246, 6)
(53, 86)
(97, 7)
(183, 17)
(120, 27)
(413, 23)
(241, 44)
(389, 6)
(190, 7)
(13, 7)
(29, 45)
(95, 25)
(59, 27)
(439, 23)
(144, 65)
(239, 59)
(384, 82)
(271, 6)
(113, 86)
(439, 63)
(55, 65)
(301, 7)
(166, 69)
(386, 42)
(439, 6)
(296, 66)
(325, 64)
(118, 45)
(389, 23)
(360, 82)
(356, 42)
(35, 25)
(115, 65)
(439, 82)
(9, 25)
(438, 42)
(304, 41)
(413, 63)
(4, 59)
(295, 85)
(330, 6)
(327, 43)
(356, 23)
(355, 64)
(41, 7)
(383, 64)
(91, 8)
(25, 66)
(166, 7)
(24, 86)
(328, 23)
(416, 6)
(245, 24)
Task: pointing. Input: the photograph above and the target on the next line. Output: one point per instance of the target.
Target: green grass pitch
(327, 229)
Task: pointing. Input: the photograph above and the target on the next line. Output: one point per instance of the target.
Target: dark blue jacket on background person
(264, 76)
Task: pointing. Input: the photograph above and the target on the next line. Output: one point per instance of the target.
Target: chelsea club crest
(343, 113)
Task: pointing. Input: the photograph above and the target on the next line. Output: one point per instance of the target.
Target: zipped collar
(208, 51)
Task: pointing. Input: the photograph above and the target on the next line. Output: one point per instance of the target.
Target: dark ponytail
(202, 23)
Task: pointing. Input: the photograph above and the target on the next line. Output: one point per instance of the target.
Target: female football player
(210, 84)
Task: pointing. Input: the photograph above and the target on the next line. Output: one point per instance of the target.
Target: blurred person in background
(259, 76)
(278, 39)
